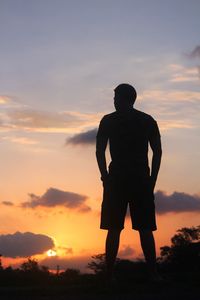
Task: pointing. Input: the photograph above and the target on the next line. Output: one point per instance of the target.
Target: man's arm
(101, 156)
(156, 147)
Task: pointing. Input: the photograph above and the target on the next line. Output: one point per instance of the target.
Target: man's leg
(148, 247)
(112, 246)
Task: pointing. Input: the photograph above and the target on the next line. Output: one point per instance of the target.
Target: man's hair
(126, 91)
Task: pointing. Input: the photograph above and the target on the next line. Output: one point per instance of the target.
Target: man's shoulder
(109, 117)
(144, 116)
(105, 124)
(140, 115)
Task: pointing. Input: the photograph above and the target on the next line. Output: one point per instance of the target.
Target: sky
(59, 64)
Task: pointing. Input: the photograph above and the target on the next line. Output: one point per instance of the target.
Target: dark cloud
(55, 197)
(195, 53)
(83, 138)
(84, 209)
(7, 203)
(176, 202)
(126, 252)
(24, 244)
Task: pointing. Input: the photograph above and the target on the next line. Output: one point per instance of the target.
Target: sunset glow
(59, 66)
(51, 253)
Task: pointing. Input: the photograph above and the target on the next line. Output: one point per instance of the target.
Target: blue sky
(59, 53)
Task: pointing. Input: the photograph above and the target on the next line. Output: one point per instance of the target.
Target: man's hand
(152, 184)
(105, 180)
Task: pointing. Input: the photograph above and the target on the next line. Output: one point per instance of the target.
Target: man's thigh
(114, 206)
(142, 206)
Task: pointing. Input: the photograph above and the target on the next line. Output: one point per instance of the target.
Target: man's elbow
(100, 152)
(157, 152)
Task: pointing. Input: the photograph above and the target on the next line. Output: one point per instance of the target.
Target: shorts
(133, 191)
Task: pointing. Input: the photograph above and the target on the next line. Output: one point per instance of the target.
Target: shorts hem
(110, 227)
(138, 229)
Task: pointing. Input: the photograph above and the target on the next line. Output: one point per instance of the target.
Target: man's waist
(129, 167)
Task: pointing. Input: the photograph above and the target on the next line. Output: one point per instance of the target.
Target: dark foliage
(97, 264)
(183, 257)
(184, 252)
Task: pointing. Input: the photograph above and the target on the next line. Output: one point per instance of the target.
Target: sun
(51, 252)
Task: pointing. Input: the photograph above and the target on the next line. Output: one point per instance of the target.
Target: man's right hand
(105, 180)
(152, 184)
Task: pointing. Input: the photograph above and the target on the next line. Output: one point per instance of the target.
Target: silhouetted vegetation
(97, 263)
(184, 252)
(182, 257)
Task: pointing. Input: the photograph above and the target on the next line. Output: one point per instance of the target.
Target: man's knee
(145, 232)
(114, 232)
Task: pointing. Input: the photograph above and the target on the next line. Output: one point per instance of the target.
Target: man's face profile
(117, 101)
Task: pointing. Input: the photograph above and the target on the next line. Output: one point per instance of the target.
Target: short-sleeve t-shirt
(129, 134)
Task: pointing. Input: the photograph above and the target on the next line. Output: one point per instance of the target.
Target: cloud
(183, 74)
(172, 109)
(55, 197)
(170, 96)
(177, 124)
(176, 202)
(195, 53)
(30, 120)
(42, 120)
(7, 203)
(83, 138)
(67, 250)
(20, 140)
(126, 252)
(24, 244)
(4, 99)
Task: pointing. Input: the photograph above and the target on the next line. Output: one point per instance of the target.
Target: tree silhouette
(31, 265)
(184, 252)
(98, 263)
(70, 275)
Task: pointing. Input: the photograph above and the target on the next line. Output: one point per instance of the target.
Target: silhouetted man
(129, 179)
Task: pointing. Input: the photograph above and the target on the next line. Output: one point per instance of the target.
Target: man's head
(125, 96)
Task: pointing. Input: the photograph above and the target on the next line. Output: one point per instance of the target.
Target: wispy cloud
(24, 244)
(11, 102)
(177, 202)
(183, 74)
(4, 99)
(66, 250)
(7, 203)
(20, 140)
(172, 108)
(44, 121)
(55, 197)
(175, 124)
(169, 95)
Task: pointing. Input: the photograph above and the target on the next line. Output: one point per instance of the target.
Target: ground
(168, 290)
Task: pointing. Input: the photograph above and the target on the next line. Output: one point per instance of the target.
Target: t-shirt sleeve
(103, 129)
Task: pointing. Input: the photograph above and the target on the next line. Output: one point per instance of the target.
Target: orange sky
(57, 79)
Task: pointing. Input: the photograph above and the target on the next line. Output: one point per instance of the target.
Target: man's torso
(128, 134)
